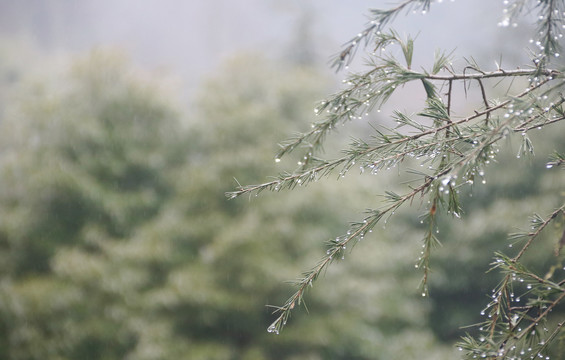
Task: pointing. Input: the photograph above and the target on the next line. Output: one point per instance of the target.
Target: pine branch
(360, 229)
(379, 155)
(538, 224)
(371, 89)
(337, 247)
(500, 73)
(456, 150)
(505, 326)
(550, 22)
(380, 18)
(556, 159)
(551, 13)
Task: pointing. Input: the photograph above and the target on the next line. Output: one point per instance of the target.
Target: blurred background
(122, 125)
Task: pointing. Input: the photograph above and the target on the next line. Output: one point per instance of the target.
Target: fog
(191, 38)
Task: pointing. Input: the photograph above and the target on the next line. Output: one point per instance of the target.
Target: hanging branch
(508, 324)
(456, 150)
(385, 143)
(379, 19)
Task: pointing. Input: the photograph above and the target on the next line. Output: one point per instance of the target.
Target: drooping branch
(374, 87)
(305, 176)
(379, 19)
(517, 321)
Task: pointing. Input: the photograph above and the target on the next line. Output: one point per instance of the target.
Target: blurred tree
(117, 241)
(83, 165)
(455, 145)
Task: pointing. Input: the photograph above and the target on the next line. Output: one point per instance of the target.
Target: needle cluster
(453, 150)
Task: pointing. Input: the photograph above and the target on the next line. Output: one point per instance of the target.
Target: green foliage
(455, 149)
(82, 167)
(117, 241)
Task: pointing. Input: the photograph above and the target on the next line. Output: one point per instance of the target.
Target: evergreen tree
(117, 241)
(82, 167)
(444, 150)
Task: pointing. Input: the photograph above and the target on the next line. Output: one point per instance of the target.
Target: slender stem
(449, 97)
(483, 93)
(534, 234)
(311, 173)
(535, 321)
(495, 74)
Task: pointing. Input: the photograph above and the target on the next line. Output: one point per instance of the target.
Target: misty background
(191, 38)
(122, 125)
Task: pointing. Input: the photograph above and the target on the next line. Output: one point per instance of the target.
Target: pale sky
(192, 37)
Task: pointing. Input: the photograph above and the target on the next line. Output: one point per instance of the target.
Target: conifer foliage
(454, 139)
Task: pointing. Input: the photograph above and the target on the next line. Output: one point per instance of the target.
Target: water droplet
(277, 160)
(446, 181)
